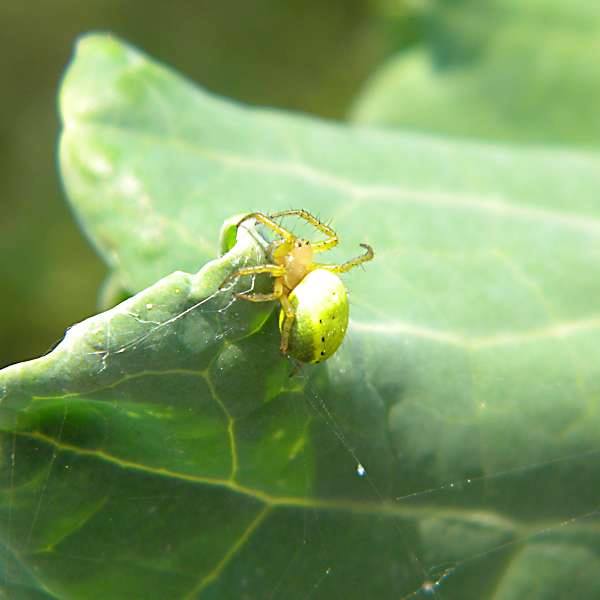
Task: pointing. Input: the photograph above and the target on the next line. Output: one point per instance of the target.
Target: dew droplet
(360, 470)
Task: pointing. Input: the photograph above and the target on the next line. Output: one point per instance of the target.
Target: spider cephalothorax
(314, 302)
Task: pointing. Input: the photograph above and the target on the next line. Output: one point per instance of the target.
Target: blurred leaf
(163, 448)
(518, 70)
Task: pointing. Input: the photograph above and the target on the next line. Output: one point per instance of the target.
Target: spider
(314, 302)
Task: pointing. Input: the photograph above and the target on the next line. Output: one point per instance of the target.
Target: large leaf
(166, 450)
(519, 70)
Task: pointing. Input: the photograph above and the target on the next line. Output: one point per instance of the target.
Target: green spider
(314, 302)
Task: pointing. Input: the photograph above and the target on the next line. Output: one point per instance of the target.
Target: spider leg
(350, 264)
(332, 238)
(268, 222)
(259, 297)
(274, 270)
(288, 321)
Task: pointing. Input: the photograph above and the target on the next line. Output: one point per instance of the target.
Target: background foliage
(498, 69)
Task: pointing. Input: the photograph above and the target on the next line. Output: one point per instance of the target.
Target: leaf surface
(163, 450)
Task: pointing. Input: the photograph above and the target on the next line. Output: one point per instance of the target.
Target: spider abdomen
(321, 310)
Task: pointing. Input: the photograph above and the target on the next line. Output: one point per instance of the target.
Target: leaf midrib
(383, 507)
(497, 204)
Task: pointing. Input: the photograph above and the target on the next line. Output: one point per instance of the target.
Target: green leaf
(165, 449)
(515, 70)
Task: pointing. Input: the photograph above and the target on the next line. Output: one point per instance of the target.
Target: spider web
(365, 496)
(342, 480)
(448, 450)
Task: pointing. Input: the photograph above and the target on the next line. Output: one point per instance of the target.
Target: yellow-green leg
(252, 297)
(350, 264)
(274, 270)
(268, 222)
(288, 321)
(332, 238)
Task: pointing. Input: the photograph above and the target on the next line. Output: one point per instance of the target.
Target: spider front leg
(274, 270)
(268, 222)
(332, 238)
(350, 264)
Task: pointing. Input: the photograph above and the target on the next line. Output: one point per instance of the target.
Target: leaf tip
(93, 42)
